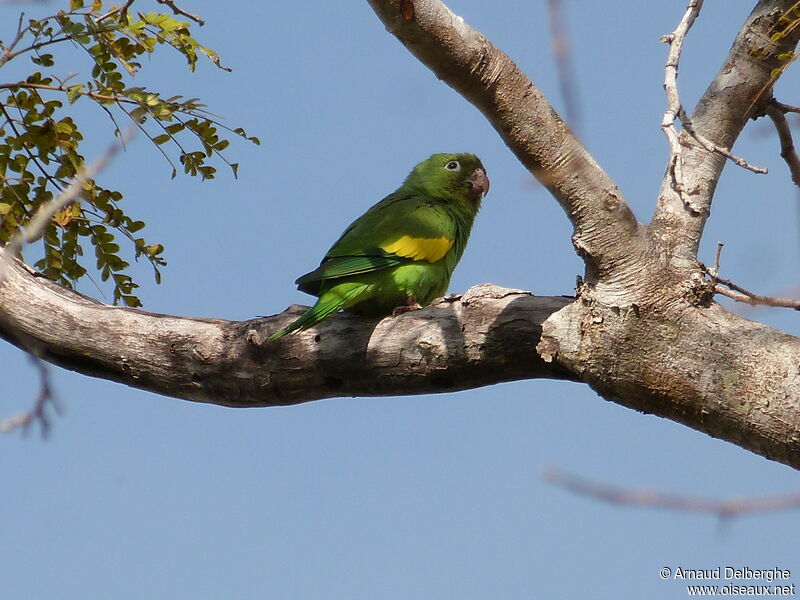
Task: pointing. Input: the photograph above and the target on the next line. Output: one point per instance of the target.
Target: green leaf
(45, 153)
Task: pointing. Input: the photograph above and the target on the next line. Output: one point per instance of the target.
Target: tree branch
(484, 337)
(722, 508)
(607, 234)
(674, 106)
(776, 112)
(38, 413)
(739, 92)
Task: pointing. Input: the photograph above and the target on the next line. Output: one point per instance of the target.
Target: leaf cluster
(40, 143)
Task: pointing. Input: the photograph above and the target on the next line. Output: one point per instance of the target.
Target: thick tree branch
(484, 337)
(709, 369)
(699, 365)
(739, 92)
(606, 231)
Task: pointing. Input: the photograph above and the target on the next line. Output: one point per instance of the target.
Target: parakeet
(400, 254)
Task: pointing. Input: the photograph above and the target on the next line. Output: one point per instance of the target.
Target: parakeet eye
(453, 165)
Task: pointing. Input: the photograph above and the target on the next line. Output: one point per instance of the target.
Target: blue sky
(141, 496)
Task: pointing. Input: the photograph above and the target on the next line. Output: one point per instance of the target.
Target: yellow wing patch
(429, 249)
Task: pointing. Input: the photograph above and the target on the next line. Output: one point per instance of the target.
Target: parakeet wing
(344, 266)
(396, 230)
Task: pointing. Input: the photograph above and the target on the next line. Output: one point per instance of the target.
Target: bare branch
(674, 107)
(675, 110)
(738, 92)
(606, 231)
(38, 413)
(566, 80)
(712, 147)
(786, 108)
(738, 293)
(483, 337)
(776, 112)
(662, 500)
(717, 256)
(742, 295)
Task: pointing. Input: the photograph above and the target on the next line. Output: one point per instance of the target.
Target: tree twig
(561, 52)
(786, 108)
(738, 293)
(721, 508)
(719, 116)
(741, 295)
(776, 112)
(712, 147)
(38, 413)
(179, 11)
(122, 10)
(675, 109)
(717, 256)
(675, 41)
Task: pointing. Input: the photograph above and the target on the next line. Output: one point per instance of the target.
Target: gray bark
(486, 336)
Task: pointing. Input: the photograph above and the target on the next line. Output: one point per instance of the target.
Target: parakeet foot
(399, 310)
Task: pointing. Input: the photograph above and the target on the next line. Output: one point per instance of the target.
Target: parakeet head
(453, 177)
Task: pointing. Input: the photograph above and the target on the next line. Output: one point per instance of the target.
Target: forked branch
(739, 91)
(606, 231)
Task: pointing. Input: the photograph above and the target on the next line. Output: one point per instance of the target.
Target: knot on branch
(698, 290)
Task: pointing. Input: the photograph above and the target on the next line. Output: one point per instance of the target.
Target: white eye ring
(453, 165)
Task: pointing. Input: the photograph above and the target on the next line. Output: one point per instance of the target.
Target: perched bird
(400, 254)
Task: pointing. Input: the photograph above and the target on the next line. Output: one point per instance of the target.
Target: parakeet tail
(329, 303)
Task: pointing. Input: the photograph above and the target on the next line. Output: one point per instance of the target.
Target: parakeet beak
(479, 182)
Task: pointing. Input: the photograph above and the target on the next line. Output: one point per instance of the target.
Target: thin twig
(776, 112)
(786, 108)
(38, 413)
(720, 246)
(655, 499)
(561, 52)
(7, 50)
(121, 10)
(675, 41)
(742, 295)
(179, 11)
(738, 293)
(712, 147)
(675, 110)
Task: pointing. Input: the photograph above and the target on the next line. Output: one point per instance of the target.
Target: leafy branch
(40, 143)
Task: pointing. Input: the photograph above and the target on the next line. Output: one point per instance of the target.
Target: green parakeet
(400, 254)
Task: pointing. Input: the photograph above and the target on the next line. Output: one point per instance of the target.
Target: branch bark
(484, 337)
